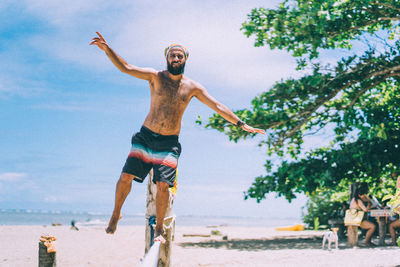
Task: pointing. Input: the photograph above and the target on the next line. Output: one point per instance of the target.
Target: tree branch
(369, 87)
(377, 73)
(335, 34)
(386, 5)
(322, 101)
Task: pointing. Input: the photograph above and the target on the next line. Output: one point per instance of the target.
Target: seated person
(357, 202)
(392, 230)
(396, 223)
(370, 202)
(374, 202)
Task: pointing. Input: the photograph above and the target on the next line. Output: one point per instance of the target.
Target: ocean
(44, 217)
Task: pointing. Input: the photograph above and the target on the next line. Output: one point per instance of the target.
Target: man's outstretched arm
(204, 97)
(120, 63)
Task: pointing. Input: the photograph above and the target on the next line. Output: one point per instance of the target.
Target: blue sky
(68, 114)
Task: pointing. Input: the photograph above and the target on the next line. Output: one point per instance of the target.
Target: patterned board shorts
(152, 150)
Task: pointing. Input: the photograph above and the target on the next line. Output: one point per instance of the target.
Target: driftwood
(196, 235)
(169, 223)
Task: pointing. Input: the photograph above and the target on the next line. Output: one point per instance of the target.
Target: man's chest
(173, 93)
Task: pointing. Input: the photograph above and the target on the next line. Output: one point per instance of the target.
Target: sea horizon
(88, 218)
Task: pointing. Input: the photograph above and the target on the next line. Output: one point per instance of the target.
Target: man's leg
(122, 190)
(162, 199)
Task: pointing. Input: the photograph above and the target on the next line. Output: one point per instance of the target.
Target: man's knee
(162, 186)
(126, 177)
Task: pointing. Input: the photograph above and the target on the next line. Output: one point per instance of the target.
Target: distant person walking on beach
(156, 145)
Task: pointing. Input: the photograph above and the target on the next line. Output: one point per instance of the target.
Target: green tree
(357, 98)
(320, 208)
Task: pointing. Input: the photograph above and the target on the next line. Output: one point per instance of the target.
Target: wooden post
(46, 259)
(165, 249)
(382, 230)
(352, 236)
(169, 223)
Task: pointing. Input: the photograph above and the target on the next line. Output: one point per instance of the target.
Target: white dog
(331, 236)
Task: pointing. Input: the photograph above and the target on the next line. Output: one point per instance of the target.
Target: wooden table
(382, 219)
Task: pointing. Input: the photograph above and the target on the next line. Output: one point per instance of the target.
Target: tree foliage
(357, 98)
(320, 205)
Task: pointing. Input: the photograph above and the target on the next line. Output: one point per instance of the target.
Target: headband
(166, 51)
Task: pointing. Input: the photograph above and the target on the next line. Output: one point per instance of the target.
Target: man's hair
(184, 49)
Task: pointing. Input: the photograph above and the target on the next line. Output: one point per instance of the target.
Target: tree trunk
(169, 223)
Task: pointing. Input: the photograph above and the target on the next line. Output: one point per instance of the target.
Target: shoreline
(38, 217)
(246, 246)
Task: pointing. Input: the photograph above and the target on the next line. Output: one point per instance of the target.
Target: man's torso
(169, 99)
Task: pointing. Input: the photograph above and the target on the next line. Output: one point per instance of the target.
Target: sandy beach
(90, 246)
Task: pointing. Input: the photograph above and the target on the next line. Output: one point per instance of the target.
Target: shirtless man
(156, 145)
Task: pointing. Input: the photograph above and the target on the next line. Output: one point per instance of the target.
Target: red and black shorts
(152, 150)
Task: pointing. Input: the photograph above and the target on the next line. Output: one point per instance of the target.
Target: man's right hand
(100, 42)
(250, 129)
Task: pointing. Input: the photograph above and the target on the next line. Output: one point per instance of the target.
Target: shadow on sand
(276, 243)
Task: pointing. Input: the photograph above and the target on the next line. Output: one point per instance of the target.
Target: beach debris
(216, 226)
(196, 235)
(49, 242)
(297, 227)
(216, 232)
(56, 224)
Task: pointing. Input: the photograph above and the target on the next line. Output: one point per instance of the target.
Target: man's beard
(176, 70)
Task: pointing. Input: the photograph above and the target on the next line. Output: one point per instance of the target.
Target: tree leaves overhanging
(358, 98)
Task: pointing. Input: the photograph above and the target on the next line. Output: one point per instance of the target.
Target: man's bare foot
(112, 225)
(159, 238)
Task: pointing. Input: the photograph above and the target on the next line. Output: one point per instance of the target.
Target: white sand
(245, 247)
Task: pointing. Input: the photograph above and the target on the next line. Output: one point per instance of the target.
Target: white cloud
(64, 12)
(21, 87)
(4, 88)
(95, 102)
(220, 54)
(12, 176)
